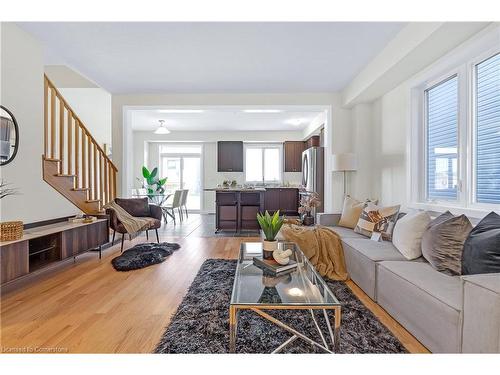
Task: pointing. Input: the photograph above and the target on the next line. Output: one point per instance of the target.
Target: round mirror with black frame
(9, 136)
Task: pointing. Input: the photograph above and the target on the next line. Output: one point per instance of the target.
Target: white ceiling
(214, 57)
(226, 118)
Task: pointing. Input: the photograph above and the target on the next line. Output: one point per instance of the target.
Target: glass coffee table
(299, 289)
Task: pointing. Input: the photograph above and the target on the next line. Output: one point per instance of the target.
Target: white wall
(93, 107)
(337, 131)
(148, 141)
(391, 121)
(22, 93)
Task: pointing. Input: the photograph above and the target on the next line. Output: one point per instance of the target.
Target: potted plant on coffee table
(271, 226)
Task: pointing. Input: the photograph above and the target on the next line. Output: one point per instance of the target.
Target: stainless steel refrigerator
(313, 172)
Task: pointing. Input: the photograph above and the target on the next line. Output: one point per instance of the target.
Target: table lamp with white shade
(344, 163)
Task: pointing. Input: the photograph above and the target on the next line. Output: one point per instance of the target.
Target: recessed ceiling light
(181, 110)
(295, 121)
(262, 110)
(162, 129)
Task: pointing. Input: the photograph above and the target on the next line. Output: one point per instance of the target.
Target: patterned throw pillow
(352, 211)
(377, 219)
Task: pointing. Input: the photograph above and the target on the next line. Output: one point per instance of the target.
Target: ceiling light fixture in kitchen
(162, 129)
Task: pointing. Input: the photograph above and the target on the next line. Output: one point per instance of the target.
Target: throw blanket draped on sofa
(322, 246)
(131, 223)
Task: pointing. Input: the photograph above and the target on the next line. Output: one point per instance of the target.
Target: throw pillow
(443, 242)
(377, 219)
(351, 212)
(408, 232)
(482, 247)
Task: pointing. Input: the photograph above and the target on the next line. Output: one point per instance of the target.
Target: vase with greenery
(271, 226)
(152, 183)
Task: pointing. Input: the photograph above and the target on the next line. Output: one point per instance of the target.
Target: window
(182, 165)
(455, 138)
(442, 140)
(263, 163)
(487, 130)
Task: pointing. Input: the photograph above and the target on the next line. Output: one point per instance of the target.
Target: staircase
(73, 162)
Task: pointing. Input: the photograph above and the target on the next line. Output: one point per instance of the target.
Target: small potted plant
(270, 225)
(307, 204)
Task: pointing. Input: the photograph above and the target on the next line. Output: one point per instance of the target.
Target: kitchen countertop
(236, 189)
(259, 188)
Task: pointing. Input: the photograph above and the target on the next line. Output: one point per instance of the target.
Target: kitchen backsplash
(292, 178)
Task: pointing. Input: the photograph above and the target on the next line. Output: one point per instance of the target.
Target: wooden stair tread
(52, 159)
(64, 175)
(80, 189)
(92, 200)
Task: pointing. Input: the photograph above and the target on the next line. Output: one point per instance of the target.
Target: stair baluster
(73, 162)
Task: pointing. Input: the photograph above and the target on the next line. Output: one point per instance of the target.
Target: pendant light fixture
(162, 129)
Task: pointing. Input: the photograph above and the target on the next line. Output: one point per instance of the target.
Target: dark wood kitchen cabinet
(286, 200)
(237, 210)
(313, 141)
(230, 156)
(293, 156)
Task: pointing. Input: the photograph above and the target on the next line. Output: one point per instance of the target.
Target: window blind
(488, 130)
(442, 140)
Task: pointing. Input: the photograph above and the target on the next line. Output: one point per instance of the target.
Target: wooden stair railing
(73, 162)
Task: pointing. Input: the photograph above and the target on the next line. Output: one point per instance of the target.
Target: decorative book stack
(274, 267)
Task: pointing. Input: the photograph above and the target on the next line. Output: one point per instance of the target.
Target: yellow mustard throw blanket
(322, 246)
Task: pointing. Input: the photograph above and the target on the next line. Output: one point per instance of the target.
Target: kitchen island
(236, 208)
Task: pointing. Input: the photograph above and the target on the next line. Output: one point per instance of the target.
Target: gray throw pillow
(482, 247)
(443, 242)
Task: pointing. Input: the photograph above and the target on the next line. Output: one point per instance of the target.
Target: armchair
(138, 207)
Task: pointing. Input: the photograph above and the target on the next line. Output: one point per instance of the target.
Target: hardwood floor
(88, 307)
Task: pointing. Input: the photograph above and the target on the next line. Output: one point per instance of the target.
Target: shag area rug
(143, 255)
(201, 323)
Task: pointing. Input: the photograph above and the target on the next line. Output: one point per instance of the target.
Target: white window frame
(460, 121)
(471, 140)
(417, 139)
(278, 146)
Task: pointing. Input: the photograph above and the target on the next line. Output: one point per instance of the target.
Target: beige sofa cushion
(352, 211)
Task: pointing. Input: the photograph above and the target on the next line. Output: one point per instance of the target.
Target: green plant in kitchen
(271, 226)
(154, 184)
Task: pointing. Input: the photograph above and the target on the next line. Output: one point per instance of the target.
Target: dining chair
(185, 193)
(169, 208)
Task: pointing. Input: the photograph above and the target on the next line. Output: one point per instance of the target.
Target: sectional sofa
(447, 314)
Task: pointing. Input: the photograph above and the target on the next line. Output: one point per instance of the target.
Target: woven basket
(11, 230)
